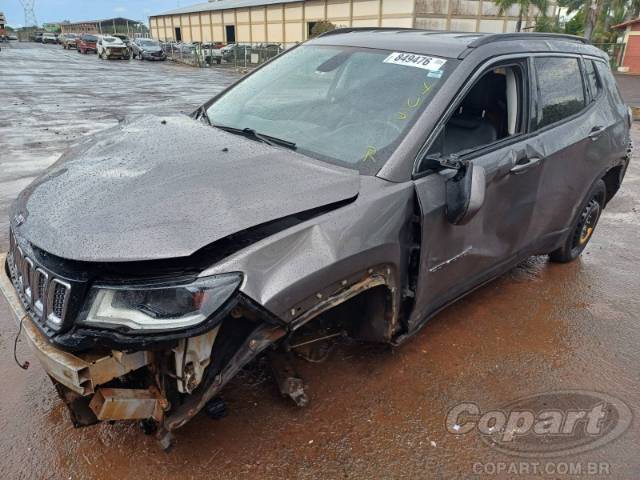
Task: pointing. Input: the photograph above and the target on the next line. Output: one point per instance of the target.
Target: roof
(103, 20)
(627, 23)
(222, 5)
(453, 44)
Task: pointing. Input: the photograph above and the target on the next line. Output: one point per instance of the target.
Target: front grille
(43, 295)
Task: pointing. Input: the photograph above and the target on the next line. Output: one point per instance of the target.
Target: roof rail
(365, 29)
(501, 37)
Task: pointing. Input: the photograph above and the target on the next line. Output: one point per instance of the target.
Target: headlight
(160, 306)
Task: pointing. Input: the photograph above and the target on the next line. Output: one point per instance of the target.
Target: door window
(592, 79)
(560, 89)
(491, 111)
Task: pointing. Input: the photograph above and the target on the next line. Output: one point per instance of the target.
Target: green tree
(321, 27)
(504, 5)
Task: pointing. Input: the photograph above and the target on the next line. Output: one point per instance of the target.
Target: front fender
(295, 270)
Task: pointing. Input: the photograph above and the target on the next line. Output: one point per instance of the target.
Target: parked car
(125, 39)
(297, 207)
(112, 47)
(211, 52)
(37, 37)
(235, 52)
(49, 38)
(12, 36)
(68, 40)
(147, 49)
(87, 43)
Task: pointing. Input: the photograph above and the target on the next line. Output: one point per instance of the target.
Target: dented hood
(165, 187)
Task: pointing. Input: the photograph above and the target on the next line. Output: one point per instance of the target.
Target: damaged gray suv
(354, 186)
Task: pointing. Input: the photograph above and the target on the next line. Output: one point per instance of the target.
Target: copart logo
(545, 425)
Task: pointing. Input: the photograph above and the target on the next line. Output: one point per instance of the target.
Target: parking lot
(374, 412)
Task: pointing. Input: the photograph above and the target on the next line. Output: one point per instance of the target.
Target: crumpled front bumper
(83, 374)
(91, 383)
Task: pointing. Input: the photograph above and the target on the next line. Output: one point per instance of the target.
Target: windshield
(344, 105)
(148, 43)
(90, 38)
(109, 40)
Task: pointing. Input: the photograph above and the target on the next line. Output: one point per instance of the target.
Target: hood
(166, 187)
(151, 48)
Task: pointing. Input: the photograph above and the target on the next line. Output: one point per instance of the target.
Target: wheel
(583, 226)
(218, 61)
(133, 55)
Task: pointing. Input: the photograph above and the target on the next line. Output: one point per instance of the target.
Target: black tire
(583, 226)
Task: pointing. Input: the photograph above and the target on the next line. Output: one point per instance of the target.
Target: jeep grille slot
(44, 296)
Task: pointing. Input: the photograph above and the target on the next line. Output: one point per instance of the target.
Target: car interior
(489, 112)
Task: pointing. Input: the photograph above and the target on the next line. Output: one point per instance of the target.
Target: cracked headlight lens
(159, 306)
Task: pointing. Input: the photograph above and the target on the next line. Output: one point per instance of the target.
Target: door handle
(525, 164)
(596, 132)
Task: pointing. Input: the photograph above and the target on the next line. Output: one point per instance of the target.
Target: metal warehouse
(290, 21)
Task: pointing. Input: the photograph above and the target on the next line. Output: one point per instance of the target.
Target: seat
(469, 127)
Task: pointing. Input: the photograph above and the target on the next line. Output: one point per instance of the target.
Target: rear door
(573, 134)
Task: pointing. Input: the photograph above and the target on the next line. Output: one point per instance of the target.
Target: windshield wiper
(202, 114)
(251, 133)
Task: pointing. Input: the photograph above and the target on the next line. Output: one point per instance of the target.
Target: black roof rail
(501, 37)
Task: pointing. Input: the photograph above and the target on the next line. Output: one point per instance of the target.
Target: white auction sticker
(415, 60)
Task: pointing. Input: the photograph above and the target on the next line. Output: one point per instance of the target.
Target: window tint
(560, 89)
(608, 81)
(592, 78)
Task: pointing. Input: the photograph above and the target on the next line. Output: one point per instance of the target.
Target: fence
(232, 56)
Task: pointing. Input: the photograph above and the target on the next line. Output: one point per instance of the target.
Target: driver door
(488, 127)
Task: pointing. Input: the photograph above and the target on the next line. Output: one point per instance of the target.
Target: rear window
(560, 89)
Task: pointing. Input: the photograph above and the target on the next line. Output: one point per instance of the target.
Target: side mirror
(465, 194)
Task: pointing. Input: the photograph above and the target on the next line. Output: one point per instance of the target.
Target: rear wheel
(582, 227)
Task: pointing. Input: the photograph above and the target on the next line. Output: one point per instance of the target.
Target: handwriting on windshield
(414, 102)
(371, 154)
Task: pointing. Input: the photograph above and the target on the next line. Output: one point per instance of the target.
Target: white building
(290, 21)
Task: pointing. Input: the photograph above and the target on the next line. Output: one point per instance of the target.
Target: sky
(58, 10)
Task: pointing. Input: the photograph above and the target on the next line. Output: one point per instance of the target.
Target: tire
(583, 226)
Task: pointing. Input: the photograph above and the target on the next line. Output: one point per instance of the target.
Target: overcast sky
(58, 10)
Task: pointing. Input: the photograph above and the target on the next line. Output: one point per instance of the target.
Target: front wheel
(583, 226)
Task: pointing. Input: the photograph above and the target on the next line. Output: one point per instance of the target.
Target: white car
(112, 47)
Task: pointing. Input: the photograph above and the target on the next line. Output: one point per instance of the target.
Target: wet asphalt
(375, 412)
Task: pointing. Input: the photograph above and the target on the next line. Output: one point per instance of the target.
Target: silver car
(352, 187)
